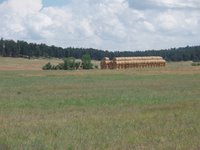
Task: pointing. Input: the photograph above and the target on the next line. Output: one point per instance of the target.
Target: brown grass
(7, 63)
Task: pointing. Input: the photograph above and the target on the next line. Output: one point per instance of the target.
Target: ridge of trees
(11, 48)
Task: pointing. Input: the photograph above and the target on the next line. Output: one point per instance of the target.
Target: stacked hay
(132, 62)
(106, 63)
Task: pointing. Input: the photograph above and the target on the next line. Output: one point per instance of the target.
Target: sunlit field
(142, 109)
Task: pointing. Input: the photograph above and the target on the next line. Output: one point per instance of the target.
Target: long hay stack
(132, 62)
(106, 63)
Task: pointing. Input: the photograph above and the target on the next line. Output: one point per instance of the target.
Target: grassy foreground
(147, 109)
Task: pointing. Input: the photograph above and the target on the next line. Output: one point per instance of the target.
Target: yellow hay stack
(106, 63)
(132, 62)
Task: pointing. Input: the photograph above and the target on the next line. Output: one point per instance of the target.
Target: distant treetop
(11, 48)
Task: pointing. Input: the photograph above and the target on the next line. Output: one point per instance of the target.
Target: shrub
(55, 67)
(196, 64)
(77, 65)
(60, 66)
(86, 62)
(96, 67)
(48, 66)
(71, 64)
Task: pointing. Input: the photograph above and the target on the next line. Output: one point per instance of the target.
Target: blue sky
(55, 2)
(103, 24)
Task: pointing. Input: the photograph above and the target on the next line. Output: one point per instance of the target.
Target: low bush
(48, 66)
(86, 62)
(96, 67)
(196, 64)
(70, 63)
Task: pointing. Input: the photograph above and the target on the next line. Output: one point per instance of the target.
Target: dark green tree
(1, 47)
(10, 48)
(86, 62)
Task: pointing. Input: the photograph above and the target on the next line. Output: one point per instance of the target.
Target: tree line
(11, 48)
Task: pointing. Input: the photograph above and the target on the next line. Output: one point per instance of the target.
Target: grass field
(142, 109)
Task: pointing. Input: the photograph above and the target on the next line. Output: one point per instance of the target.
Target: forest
(11, 48)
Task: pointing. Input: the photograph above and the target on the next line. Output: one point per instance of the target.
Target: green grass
(154, 108)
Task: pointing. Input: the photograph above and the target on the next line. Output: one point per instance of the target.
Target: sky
(114, 25)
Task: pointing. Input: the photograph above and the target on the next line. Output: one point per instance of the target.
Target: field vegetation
(149, 108)
(70, 63)
(196, 64)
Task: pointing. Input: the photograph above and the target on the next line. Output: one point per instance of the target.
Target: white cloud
(104, 24)
(165, 4)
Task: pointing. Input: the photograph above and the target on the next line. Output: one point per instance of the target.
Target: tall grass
(155, 108)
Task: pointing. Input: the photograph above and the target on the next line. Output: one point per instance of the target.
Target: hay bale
(133, 62)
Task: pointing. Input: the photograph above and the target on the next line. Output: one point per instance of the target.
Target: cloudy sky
(103, 24)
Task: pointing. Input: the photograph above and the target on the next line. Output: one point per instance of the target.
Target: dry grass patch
(7, 63)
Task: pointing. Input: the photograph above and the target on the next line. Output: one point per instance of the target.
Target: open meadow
(142, 109)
